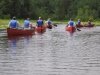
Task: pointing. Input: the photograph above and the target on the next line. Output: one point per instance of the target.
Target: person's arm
(77, 22)
(30, 25)
(46, 22)
(18, 24)
(74, 24)
(42, 22)
(9, 24)
(68, 23)
(37, 23)
(51, 22)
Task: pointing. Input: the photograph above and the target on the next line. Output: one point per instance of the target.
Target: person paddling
(40, 22)
(71, 23)
(27, 24)
(13, 23)
(78, 25)
(79, 22)
(49, 23)
(90, 23)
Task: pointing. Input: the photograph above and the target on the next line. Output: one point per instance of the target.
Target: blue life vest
(71, 23)
(26, 23)
(13, 24)
(49, 22)
(39, 23)
(79, 22)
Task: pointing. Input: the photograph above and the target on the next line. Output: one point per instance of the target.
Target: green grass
(4, 22)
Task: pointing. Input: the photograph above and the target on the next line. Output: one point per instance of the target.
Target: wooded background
(55, 9)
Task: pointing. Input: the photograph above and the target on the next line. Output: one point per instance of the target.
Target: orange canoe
(40, 29)
(70, 29)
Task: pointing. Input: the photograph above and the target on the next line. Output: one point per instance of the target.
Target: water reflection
(70, 33)
(17, 42)
(14, 39)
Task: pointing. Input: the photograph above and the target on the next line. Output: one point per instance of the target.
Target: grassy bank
(4, 23)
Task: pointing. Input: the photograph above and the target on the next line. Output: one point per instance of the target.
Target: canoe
(79, 26)
(70, 29)
(19, 32)
(41, 29)
(49, 26)
(92, 25)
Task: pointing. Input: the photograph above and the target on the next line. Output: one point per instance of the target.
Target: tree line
(55, 9)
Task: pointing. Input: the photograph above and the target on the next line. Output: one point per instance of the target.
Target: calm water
(56, 52)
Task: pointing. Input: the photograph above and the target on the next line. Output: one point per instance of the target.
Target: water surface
(56, 52)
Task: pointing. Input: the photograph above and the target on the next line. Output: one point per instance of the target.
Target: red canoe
(79, 26)
(41, 29)
(92, 25)
(70, 29)
(19, 32)
(49, 26)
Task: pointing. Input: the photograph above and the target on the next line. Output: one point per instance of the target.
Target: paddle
(78, 29)
(55, 25)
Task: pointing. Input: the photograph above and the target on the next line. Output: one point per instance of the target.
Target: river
(55, 52)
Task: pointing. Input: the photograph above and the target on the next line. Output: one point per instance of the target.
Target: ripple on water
(56, 52)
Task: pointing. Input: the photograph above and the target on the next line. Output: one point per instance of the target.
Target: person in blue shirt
(71, 23)
(79, 22)
(27, 23)
(13, 23)
(40, 22)
(49, 22)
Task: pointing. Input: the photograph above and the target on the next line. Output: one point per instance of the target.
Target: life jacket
(49, 22)
(79, 23)
(26, 23)
(39, 23)
(71, 23)
(13, 24)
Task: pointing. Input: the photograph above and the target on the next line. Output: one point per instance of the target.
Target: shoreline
(4, 22)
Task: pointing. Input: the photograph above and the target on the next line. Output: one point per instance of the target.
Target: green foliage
(55, 9)
(85, 13)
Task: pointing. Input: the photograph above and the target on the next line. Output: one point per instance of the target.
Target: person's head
(79, 20)
(89, 20)
(39, 18)
(28, 18)
(71, 19)
(49, 19)
(14, 18)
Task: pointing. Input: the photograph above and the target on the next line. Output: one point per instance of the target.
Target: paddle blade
(78, 29)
